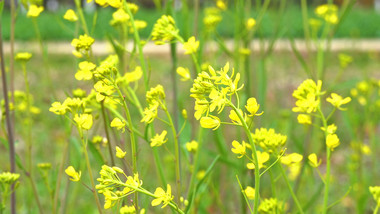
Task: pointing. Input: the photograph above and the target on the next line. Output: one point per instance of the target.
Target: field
(214, 121)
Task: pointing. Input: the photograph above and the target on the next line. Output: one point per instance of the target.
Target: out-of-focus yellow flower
(304, 119)
(70, 15)
(163, 197)
(84, 121)
(23, 56)
(293, 158)
(118, 124)
(344, 60)
(201, 174)
(192, 146)
(250, 192)
(375, 191)
(34, 11)
(184, 114)
(120, 153)
(128, 210)
(221, 4)
(271, 205)
(115, 3)
(210, 122)
(184, 73)
(365, 149)
(332, 141)
(212, 18)
(73, 175)
(159, 139)
(191, 46)
(250, 23)
(328, 12)
(164, 30)
(313, 160)
(337, 101)
(331, 129)
(262, 158)
(119, 17)
(307, 95)
(58, 108)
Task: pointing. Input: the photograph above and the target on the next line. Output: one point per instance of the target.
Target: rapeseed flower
(313, 160)
(120, 153)
(159, 139)
(262, 157)
(70, 15)
(84, 121)
(163, 197)
(164, 30)
(34, 11)
(118, 124)
(85, 70)
(73, 174)
(191, 46)
(268, 139)
(210, 122)
(23, 56)
(250, 192)
(192, 146)
(332, 141)
(337, 101)
(238, 148)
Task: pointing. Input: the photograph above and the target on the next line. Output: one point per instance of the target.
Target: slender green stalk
(305, 20)
(376, 209)
(8, 119)
(177, 154)
(106, 122)
(89, 169)
(28, 140)
(133, 141)
(255, 158)
(291, 189)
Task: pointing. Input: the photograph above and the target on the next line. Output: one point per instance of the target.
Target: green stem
(84, 144)
(376, 209)
(133, 141)
(255, 158)
(290, 189)
(177, 155)
(106, 122)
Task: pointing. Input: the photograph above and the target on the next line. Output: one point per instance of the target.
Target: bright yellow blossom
(313, 160)
(127, 210)
(331, 129)
(74, 175)
(293, 158)
(119, 17)
(164, 30)
(163, 197)
(252, 107)
(337, 101)
(304, 119)
(239, 148)
(184, 73)
(375, 191)
(191, 46)
(250, 192)
(70, 15)
(210, 122)
(192, 146)
(23, 56)
(58, 108)
(332, 141)
(34, 10)
(251, 22)
(120, 153)
(85, 70)
(83, 121)
(118, 124)
(159, 139)
(262, 158)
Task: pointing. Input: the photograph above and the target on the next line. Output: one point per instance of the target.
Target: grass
(361, 23)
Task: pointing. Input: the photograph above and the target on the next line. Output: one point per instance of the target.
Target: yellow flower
(23, 56)
(332, 141)
(210, 122)
(235, 118)
(191, 46)
(118, 124)
(250, 192)
(251, 22)
(313, 160)
(269, 140)
(120, 153)
(184, 73)
(74, 175)
(115, 3)
(128, 210)
(119, 17)
(290, 159)
(58, 108)
(192, 146)
(8, 178)
(212, 18)
(337, 101)
(84, 121)
(85, 70)
(271, 205)
(134, 76)
(83, 43)
(262, 158)
(375, 191)
(304, 119)
(365, 149)
(344, 60)
(252, 107)
(328, 13)
(164, 30)
(307, 95)
(159, 139)
(34, 11)
(162, 196)
(184, 114)
(221, 4)
(70, 15)
(239, 148)
(201, 174)
(331, 129)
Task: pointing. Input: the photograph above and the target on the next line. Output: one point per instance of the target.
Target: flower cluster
(271, 205)
(163, 197)
(329, 12)
(164, 30)
(113, 188)
(212, 18)
(34, 11)
(293, 162)
(308, 96)
(20, 104)
(82, 45)
(155, 98)
(269, 140)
